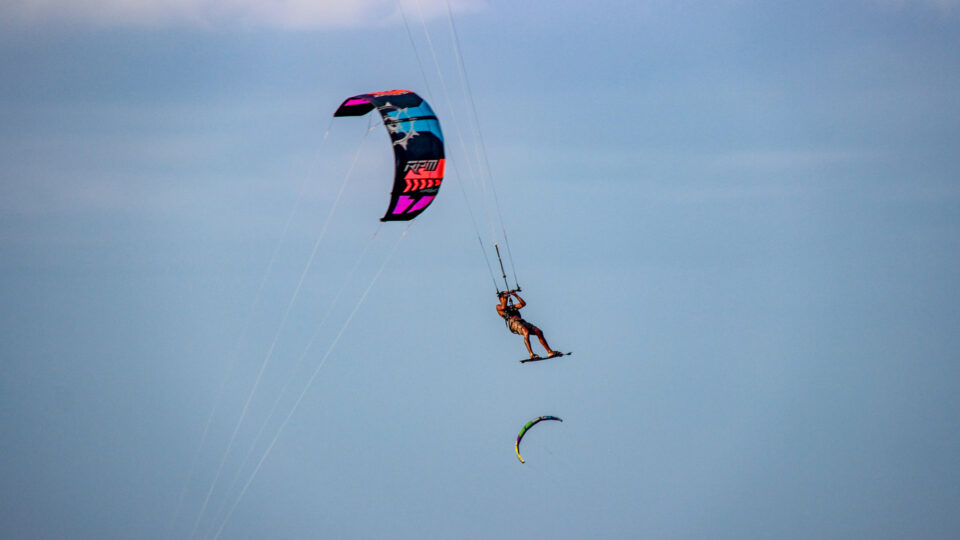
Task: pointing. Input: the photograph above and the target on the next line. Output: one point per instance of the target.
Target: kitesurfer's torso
(511, 314)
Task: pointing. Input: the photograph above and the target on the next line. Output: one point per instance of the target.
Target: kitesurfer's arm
(502, 306)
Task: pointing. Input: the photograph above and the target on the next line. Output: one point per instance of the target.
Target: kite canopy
(529, 425)
(417, 148)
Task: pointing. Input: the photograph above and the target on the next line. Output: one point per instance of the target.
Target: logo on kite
(417, 146)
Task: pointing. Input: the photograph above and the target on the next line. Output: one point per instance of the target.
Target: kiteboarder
(511, 314)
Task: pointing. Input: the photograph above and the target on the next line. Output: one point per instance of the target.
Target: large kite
(417, 148)
(529, 425)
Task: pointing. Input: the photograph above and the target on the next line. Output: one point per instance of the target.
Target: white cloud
(288, 14)
(941, 5)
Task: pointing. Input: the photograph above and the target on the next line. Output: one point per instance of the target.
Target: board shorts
(517, 324)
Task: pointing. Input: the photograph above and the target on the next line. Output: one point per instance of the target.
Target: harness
(510, 312)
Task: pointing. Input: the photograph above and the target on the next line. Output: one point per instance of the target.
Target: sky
(743, 219)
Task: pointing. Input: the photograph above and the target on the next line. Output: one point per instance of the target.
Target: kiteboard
(538, 358)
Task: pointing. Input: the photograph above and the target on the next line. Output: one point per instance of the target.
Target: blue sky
(742, 217)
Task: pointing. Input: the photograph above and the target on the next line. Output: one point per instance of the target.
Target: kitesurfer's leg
(543, 341)
(526, 341)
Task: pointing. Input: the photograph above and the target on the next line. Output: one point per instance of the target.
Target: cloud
(284, 14)
(941, 5)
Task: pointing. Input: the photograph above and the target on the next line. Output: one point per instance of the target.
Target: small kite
(529, 425)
